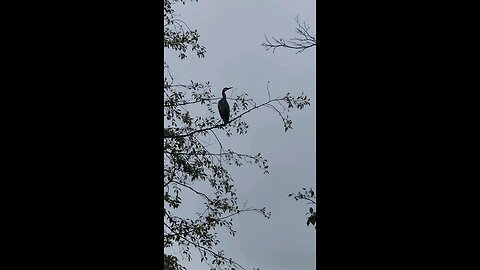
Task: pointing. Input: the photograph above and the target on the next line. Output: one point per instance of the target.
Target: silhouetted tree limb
(303, 41)
(172, 135)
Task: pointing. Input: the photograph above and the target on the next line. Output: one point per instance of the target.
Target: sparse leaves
(241, 105)
(310, 197)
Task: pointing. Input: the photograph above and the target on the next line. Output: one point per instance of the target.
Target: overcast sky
(232, 32)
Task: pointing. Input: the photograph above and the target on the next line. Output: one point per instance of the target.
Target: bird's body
(223, 106)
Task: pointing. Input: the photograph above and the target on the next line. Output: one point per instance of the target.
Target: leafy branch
(310, 197)
(289, 100)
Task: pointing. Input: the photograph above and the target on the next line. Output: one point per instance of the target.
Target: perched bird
(223, 106)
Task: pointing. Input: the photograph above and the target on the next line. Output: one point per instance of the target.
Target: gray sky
(232, 32)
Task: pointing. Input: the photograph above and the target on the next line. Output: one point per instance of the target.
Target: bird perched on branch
(223, 106)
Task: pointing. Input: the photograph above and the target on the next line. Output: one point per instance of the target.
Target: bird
(223, 106)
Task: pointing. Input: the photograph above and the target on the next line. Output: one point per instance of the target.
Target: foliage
(176, 33)
(311, 198)
(194, 166)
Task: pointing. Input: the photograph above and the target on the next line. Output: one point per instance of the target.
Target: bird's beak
(228, 88)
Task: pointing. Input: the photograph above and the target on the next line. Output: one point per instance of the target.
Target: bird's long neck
(224, 95)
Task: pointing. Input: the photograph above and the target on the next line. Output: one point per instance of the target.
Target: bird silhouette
(223, 106)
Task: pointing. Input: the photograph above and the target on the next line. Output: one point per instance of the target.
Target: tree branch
(169, 134)
(213, 253)
(301, 43)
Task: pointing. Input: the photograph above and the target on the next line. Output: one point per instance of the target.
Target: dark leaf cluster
(311, 198)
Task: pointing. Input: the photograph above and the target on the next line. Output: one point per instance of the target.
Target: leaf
(311, 210)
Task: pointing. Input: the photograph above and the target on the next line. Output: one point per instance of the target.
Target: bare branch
(304, 40)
